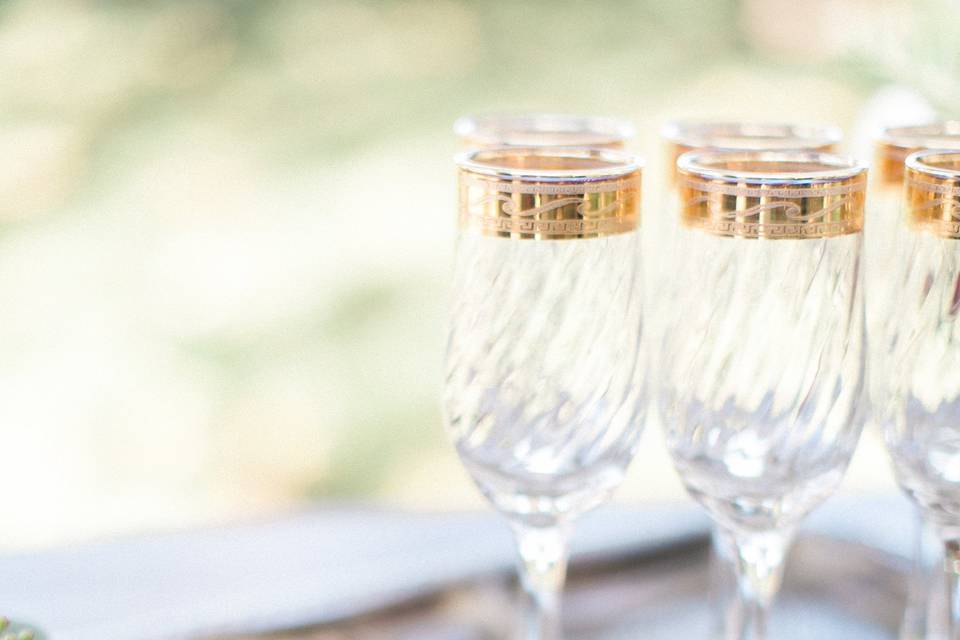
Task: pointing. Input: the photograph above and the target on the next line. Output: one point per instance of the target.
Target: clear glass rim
(495, 128)
(924, 162)
(930, 135)
(823, 166)
(751, 135)
(597, 164)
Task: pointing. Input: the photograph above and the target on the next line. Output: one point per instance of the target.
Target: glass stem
(543, 570)
(723, 581)
(951, 571)
(914, 624)
(757, 558)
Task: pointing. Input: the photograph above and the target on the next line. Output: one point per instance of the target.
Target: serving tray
(832, 589)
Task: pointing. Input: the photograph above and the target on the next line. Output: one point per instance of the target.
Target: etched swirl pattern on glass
(764, 373)
(922, 407)
(544, 383)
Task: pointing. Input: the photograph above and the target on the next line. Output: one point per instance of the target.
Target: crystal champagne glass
(661, 236)
(543, 130)
(763, 373)
(887, 229)
(544, 393)
(921, 414)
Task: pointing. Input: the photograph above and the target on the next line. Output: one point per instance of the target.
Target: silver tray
(832, 589)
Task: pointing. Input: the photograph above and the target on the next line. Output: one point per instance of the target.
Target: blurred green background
(226, 227)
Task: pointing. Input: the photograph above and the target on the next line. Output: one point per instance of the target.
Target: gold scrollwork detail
(933, 207)
(801, 212)
(538, 210)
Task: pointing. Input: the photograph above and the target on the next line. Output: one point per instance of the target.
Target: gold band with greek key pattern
(932, 192)
(771, 194)
(549, 193)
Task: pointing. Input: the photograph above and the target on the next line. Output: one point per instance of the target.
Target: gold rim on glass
(549, 193)
(542, 130)
(771, 194)
(896, 143)
(932, 192)
(685, 136)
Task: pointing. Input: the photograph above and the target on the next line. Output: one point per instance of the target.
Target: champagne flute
(921, 416)
(763, 374)
(883, 236)
(544, 392)
(683, 136)
(543, 130)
